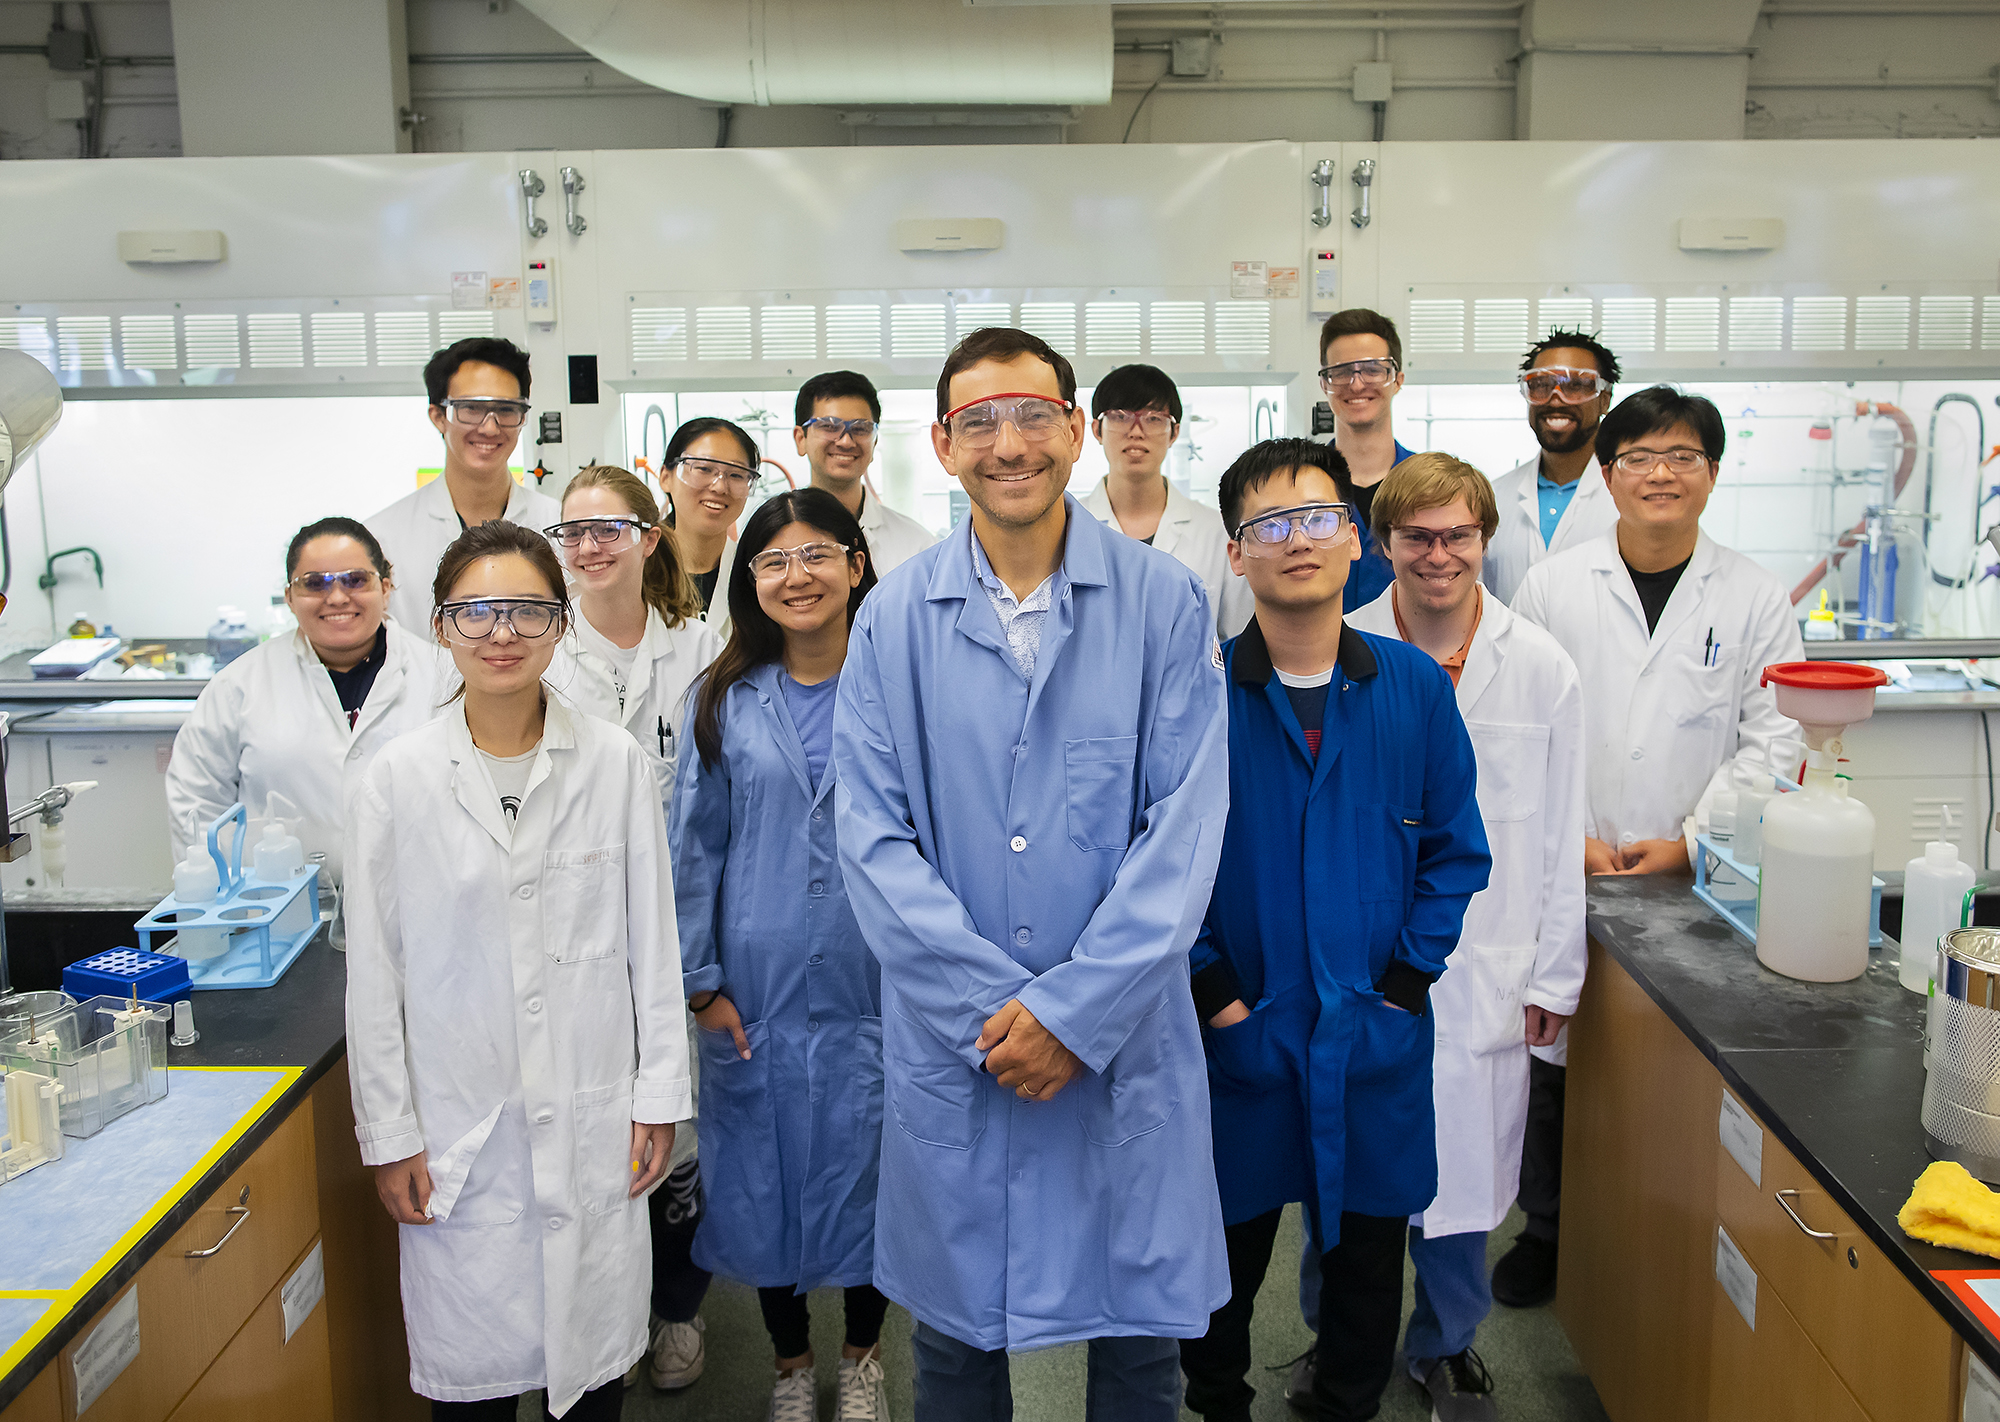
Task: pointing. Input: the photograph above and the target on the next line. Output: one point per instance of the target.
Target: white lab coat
(1195, 535)
(270, 721)
(513, 1005)
(1523, 940)
(717, 616)
(668, 661)
(893, 537)
(416, 529)
(1517, 544)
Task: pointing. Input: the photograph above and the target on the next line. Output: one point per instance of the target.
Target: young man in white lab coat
(1670, 632)
(478, 390)
(1517, 972)
(838, 419)
(1135, 413)
(1554, 501)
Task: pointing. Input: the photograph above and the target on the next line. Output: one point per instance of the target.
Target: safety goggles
(705, 473)
(478, 619)
(507, 414)
(1151, 423)
(1407, 538)
(1362, 374)
(976, 424)
(604, 533)
(774, 563)
(1563, 384)
(353, 580)
(834, 431)
(1636, 462)
(1268, 534)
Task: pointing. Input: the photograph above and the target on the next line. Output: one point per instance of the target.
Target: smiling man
(1032, 771)
(478, 391)
(839, 424)
(1361, 369)
(1352, 847)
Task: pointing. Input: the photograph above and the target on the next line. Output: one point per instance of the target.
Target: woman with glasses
(710, 467)
(786, 993)
(515, 1029)
(303, 714)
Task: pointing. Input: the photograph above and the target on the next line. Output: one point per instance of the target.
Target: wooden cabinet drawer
(1894, 1351)
(261, 1375)
(1773, 1373)
(189, 1309)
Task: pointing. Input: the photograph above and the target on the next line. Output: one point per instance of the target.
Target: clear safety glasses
(834, 431)
(607, 534)
(1267, 535)
(478, 619)
(352, 580)
(774, 563)
(1361, 374)
(507, 414)
(1407, 538)
(1151, 423)
(706, 473)
(1683, 462)
(1563, 384)
(976, 424)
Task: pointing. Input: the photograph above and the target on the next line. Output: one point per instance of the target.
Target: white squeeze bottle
(197, 884)
(1754, 789)
(1934, 886)
(278, 855)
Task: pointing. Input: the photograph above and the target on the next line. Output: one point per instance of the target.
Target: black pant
(790, 1324)
(1360, 1314)
(600, 1404)
(679, 1284)
(1542, 1150)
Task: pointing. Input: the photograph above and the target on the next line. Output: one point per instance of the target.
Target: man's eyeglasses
(860, 431)
(1149, 422)
(478, 619)
(1564, 384)
(813, 557)
(599, 532)
(353, 580)
(1362, 374)
(1268, 534)
(1644, 461)
(704, 473)
(507, 414)
(976, 424)
(1407, 538)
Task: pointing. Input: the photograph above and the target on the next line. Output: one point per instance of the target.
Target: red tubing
(1854, 535)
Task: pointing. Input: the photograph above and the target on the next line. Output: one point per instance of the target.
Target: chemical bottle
(230, 637)
(278, 855)
(1815, 883)
(82, 627)
(279, 620)
(197, 884)
(1754, 789)
(1722, 817)
(1934, 886)
(1820, 623)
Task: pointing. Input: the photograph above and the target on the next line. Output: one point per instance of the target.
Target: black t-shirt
(1364, 503)
(1655, 588)
(704, 583)
(352, 686)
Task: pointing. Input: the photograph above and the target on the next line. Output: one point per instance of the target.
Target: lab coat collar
(1175, 520)
(1608, 561)
(474, 787)
(1483, 659)
(1251, 665)
(434, 500)
(655, 644)
(1083, 560)
(771, 696)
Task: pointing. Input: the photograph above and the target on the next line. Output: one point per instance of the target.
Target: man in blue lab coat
(1030, 744)
(1353, 846)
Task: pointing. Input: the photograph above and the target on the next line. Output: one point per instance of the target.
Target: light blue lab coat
(1054, 841)
(790, 1138)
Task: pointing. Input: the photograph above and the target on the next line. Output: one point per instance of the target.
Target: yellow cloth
(1947, 1206)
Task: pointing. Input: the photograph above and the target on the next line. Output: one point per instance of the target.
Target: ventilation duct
(863, 52)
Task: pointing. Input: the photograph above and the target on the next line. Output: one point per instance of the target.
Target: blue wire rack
(1730, 889)
(265, 926)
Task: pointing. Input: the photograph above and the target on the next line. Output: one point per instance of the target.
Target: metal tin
(1968, 966)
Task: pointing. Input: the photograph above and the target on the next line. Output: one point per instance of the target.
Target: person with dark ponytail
(709, 468)
(786, 993)
(516, 1034)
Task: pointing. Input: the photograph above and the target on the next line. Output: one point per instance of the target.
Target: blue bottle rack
(267, 924)
(1731, 890)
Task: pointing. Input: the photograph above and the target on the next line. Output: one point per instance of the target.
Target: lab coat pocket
(604, 1146)
(936, 1097)
(492, 1196)
(1385, 851)
(1479, 1000)
(739, 1147)
(1513, 762)
(583, 903)
(1099, 775)
(1702, 696)
(1137, 1091)
(1242, 1055)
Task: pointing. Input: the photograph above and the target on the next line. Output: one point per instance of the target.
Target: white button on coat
(1017, 844)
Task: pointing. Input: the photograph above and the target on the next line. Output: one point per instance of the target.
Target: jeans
(1454, 1294)
(1542, 1150)
(679, 1284)
(789, 1323)
(600, 1404)
(1131, 1380)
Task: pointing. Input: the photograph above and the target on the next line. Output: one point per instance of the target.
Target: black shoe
(1299, 1382)
(1525, 1277)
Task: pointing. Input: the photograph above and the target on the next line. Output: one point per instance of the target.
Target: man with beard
(1552, 502)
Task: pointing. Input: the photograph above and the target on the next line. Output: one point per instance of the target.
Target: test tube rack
(1730, 888)
(105, 1056)
(33, 1136)
(263, 926)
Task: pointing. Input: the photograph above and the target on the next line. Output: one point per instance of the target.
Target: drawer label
(303, 1291)
(108, 1351)
(1737, 1278)
(1742, 1137)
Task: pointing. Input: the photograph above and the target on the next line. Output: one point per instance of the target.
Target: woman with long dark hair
(709, 468)
(786, 993)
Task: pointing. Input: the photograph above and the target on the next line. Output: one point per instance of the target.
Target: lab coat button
(816, 888)
(1017, 844)
(812, 1025)
(817, 815)
(1638, 754)
(814, 959)
(546, 1117)
(527, 891)
(554, 1222)
(534, 1004)
(1023, 936)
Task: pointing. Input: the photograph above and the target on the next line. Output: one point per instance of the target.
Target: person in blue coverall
(1030, 750)
(1353, 846)
(1361, 369)
(785, 992)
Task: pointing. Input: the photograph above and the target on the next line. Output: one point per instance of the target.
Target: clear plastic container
(108, 1054)
(1815, 886)
(329, 904)
(23, 1012)
(230, 637)
(1934, 886)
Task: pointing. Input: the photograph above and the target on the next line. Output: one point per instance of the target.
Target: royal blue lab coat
(789, 1138)
(1054, 841)
(1332, 871)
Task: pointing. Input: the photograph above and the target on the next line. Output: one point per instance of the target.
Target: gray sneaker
(1299, 1385)
(1460, 1388)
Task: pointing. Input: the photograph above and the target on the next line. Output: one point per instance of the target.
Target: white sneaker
(678, 1354)
(862, 1398)
(794, 1398)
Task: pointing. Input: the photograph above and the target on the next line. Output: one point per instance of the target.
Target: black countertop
(1836, 1070)
(300, 1022)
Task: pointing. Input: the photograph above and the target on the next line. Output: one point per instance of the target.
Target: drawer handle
(242, 1212)
(1786, 1206)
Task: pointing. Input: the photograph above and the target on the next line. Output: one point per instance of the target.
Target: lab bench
(259, 1106)
(1728, 1125)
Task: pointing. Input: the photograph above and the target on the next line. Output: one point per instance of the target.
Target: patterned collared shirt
(1021, 619)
